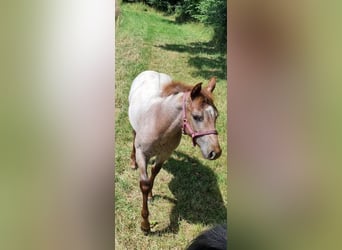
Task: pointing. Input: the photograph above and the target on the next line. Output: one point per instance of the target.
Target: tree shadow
(207, 66)
(192, 48)
(198, 199)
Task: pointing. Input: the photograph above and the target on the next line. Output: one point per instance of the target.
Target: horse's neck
(171, 109)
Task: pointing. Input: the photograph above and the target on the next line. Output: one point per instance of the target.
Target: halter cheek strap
(186, 124)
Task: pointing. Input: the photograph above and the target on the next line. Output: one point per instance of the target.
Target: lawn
(190, 192)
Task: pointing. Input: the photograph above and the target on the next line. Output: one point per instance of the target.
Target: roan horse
(159, 111)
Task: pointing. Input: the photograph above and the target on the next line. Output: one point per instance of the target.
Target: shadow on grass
(198, 199)
(214, 64)
(192, 48)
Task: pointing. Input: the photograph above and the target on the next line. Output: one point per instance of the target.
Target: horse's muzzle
(213, 155)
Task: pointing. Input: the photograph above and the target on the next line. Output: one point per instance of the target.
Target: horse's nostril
(212, 155)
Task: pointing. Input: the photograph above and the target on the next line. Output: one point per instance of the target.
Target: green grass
(190, 192)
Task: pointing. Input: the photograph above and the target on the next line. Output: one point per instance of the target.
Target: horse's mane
(174, 88)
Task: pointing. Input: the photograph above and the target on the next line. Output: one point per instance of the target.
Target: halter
(186, 124)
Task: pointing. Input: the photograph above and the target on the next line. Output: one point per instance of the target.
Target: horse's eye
(198, 118)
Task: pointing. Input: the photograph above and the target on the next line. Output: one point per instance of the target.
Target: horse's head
(201, 115)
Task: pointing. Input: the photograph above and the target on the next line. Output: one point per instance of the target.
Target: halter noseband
(186, 124)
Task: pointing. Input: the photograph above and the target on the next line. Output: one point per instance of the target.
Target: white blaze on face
(211, 111)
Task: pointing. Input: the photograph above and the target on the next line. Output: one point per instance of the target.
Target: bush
(214, 12)
(168, 6)
(210, 12)
(186, 10)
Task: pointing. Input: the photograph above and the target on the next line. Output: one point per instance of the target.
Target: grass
(190, 192)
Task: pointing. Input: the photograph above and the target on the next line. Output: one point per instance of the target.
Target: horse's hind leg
(133, 162)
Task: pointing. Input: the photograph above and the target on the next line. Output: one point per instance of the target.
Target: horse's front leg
(154, 171)
(145, 187)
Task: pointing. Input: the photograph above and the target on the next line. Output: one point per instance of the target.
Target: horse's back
(147, 85)
(145, 90)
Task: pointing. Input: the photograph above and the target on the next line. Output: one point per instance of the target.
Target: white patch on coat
(211, 111)
(145, 90)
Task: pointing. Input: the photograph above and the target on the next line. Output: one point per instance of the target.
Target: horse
(214, 238)
(160, 110)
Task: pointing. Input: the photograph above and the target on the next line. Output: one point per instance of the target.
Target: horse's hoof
(145, 227)
(133, 165)
(146, 232)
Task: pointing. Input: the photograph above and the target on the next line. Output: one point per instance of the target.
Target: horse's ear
(196, 90)
(211, 84)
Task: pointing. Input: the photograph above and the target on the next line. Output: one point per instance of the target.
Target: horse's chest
(167, 144)
(162, 145)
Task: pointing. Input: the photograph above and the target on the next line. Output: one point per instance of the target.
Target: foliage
(187, 10)
(214, 12)
(166, 6)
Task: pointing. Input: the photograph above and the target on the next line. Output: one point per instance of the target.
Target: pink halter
(186, 124)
